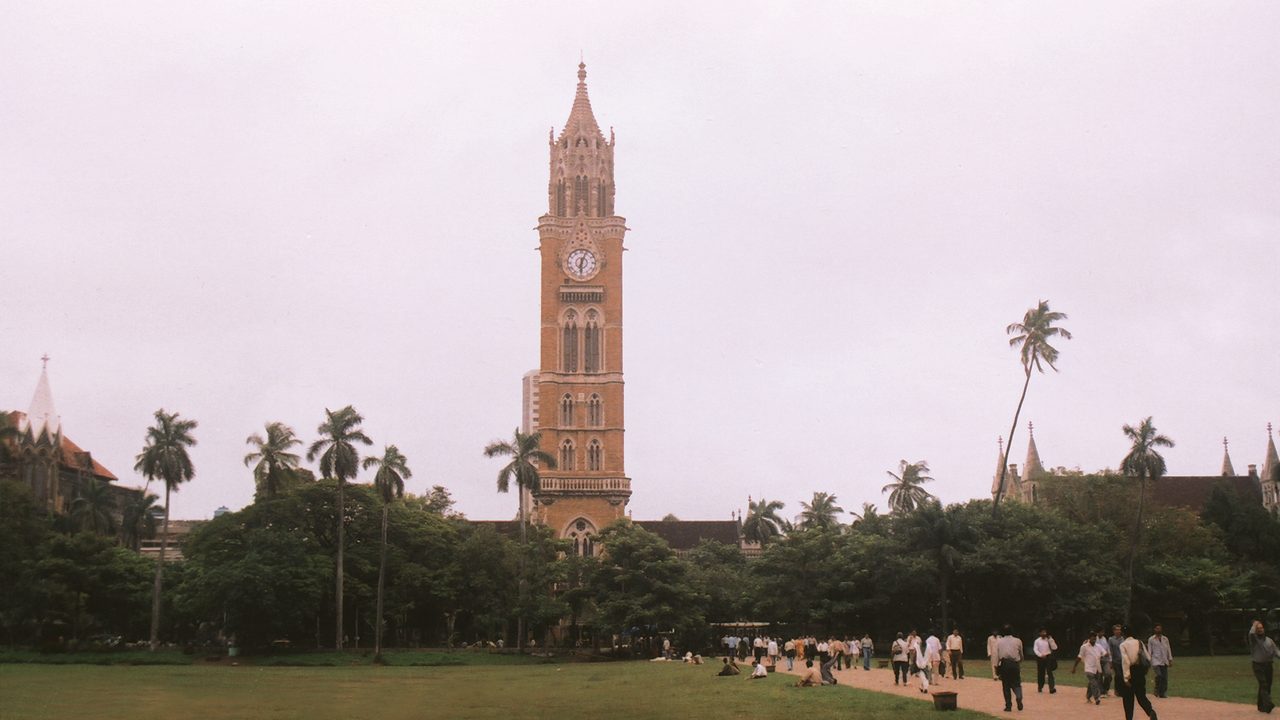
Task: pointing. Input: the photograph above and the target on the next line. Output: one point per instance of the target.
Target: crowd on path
(1115, 661)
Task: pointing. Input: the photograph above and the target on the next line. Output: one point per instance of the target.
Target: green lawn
(622, 690)
(1227, 678)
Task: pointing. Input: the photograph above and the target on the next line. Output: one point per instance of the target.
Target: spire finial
(1031, 428)
(1224, 442)
(1268, 429)
(582, 72)
(44, 365)
(1000, 443)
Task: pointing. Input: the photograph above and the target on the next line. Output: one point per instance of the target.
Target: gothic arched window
(582, 533)
(568, 459)
(591, 336)
(569, 343)
(595, 456)
(566, 410)
(595, 411)
(560, 208)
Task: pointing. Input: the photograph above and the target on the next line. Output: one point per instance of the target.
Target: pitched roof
(1192, 492)
(72, 456)
(687, 534)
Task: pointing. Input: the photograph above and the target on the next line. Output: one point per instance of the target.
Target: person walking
(772, 649)
(1161, 659)
(955, 654)
(1091, 656)
(789, 650)
(1046, 662)
(898, 657)
(1263, 652)
(1009, 657)
(1104, 650)
(933, 649)
(926, 662)
(992, 639)
(1135, 661)
(868, 648)
(1113, 652)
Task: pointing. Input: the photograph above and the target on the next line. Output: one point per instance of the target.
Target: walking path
(979, 692)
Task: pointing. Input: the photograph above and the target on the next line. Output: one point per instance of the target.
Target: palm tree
(340, 461)
(139, 520)
(869, 513)
(934, 531)
(273, 460)
(1144, 463)
(906, 493)
(164, 457)
(93, 509)
(820, 512)
(1032, 337)
(763, 523)
(525, 455)
(393, 468)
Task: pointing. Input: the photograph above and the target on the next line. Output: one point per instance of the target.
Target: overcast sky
(247, 212)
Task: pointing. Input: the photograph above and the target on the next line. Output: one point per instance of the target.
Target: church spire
(1228, 470)
(582, 121)
(581, 162)
(42, 417)
(1272, 462)
(995, 479)
(1032, 467)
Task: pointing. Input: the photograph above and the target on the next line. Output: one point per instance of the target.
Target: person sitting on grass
(758, 671)
(810, 677)
(730, 668)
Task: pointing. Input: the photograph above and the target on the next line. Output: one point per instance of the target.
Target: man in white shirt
(758, 671)
(867, 649)
(1044, 648)
(898, 656)
(1134, 661)
(1009, 656)
(772, 649)
(955, 654)
(1161, 659)
(933, 649)
(1091, 656)
(1105, 650)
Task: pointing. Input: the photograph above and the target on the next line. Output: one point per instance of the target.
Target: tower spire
(42, 417)
(995, 479)
(1032, 466)
(1228, 470)
(1272, 462)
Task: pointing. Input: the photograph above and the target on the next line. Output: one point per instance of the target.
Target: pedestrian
(992, 639)
(1104, 649)
(772, 649)
(933, 649)
(867, 648)
(854, 652)
(1135, 661)
(1091, 656)
(789, 650)
(898, 654)
(955, 654)
(757, 648)
(1161, 659)
(1263, 652)
(758, 671)
(1046, 662)
(1009, 654)
(1113, 652)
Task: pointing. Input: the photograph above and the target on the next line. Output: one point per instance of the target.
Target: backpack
(1144, 657)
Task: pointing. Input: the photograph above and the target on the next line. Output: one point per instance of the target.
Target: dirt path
(979, 692)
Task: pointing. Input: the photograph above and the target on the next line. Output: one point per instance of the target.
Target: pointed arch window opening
(561, 210)
(595, 411)
(591, 341)
(569, 343)
(582, 533)
(566, 410)
(568, 456)
(595, 456)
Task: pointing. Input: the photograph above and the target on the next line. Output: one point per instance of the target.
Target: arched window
(591, 341)
(566, 410)
(595, 411)
(582, 533)
(560, 208)
(569, 343)
(595, 456)
(568, 456)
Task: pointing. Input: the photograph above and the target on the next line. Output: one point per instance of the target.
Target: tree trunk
(1133, 546)
(382, 575)
(155, 591)
(1004, 461)
(524, 540)
(943, 583)
(337, 643)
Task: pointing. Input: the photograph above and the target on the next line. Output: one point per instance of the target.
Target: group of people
(849, 650)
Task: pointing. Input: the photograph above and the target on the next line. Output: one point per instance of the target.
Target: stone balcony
(586, 486)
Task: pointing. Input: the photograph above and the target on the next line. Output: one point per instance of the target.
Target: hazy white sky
(248, 211)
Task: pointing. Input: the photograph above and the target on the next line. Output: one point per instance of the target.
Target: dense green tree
(820, 512)
(273, 464)
(94, 509)
(23, 529)
(939, 534)
(1031, 337)
(393, 468)
(719, 573)
(906, 492)
(139, 519)
(1143, 462)
(340, 461)
(641, 583)
(763, 524)
(164, 456)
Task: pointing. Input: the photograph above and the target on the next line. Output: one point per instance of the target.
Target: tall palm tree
(272, 462)
(393, 468)
(1032, 337)
(820, 512)
(1143, 462)
(869, 513)
(93, 509)
(139, 520)
(164, 457)
(525, 455)
(763, 524)
(906, 493)
(340, 461)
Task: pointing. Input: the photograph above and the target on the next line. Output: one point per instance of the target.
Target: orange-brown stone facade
(580, 388)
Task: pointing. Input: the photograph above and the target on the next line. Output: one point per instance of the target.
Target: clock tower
(576, 399)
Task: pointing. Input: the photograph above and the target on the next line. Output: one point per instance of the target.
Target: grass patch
(1228, 678)
(114, 657)
(647, 691)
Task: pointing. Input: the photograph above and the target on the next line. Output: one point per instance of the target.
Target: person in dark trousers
(1046, 662)
(1009, 656)
(1135, 662)
(1113, 650)
(1263, 652)
(1161, 659)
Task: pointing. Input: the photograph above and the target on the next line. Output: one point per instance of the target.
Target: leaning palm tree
(763, 524)
(340, 461)
(525, 455)
(820, 512)
(906, 493)
(92, 511)
(1032, 337)
(164, 457)
(393, 468)
(1144, 463)
(139, 520)
(272, 462)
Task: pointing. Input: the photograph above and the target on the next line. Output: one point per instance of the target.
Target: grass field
(616, 690)
(1226, 678)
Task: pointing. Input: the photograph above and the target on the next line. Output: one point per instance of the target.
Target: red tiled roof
(687, 534)
(1193, 492)
(72, 454)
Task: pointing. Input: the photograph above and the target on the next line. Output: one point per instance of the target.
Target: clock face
(581, 264)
